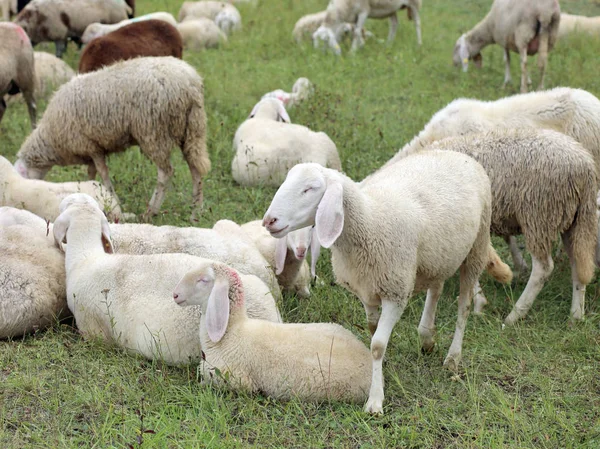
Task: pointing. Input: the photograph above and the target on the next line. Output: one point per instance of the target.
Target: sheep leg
(393, 27)
(31, 108)
(517, 255)
(2, 107)
(102, 168)
(417, 19)
(507, 77)
(391, 311)
(426, 327)
(61, 47)
(523, 56)
(580, 280)
(540, 271)
(372, 316)
(479, 299)
(92, 171)
(358, 41)
(543, 56)
(197, 195)
(159, 193)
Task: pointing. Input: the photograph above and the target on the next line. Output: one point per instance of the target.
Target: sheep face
(195, 287)
(299, 242)
(270, 108)
(30, 172)
(462, 54)
(326, 35)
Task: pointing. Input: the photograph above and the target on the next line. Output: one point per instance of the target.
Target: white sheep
(313, 361)
(525, 27)
(200, 33)
(225, 15)
(301, 90)
(127, 299)
(94, 30)
(340, 12)
(570, 24)
(32, 275)
(267, 145)
(43, 198)
(308, 24)
(155, 102)
(395, 234)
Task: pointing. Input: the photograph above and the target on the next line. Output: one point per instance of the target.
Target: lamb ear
(253, 112)
(106, 240)
(329, 220)
(315, 250)
(283, 114)
(217, 310)
(61, 224)
(280, 253)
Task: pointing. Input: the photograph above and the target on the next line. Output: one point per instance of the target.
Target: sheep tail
(194, 147)
(583, 233)
(497, 268)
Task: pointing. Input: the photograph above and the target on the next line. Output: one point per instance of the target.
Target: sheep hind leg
(162, 182)
(393, 27)
(417, 18)
(507, 77)
(479, 299)
(523, 57)
(197, 194)
(373, 315)
(580, 280)
(99, 162)
(426, 327)
(358, 41)
(2, 107)
(517, 256)
(31, 107)
(543, 56)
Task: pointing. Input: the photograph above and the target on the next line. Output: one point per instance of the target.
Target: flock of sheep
(526, 164)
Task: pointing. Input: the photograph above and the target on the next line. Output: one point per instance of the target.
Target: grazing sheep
(42, 198)
(523, 27)
(307, 25)
(301, 90)
(145, 38)
(393, 235)
(58, 20)
(94, 30)
(266, 148)
(17, 70)
(313, 361)
(340, 12)
(201, 33)
(578, 24)
(126, 299)
(32, 275)
(225, 15)
(156, 103)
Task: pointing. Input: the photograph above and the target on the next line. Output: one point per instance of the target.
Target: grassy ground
(534, 385)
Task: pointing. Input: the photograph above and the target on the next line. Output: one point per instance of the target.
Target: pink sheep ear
(283, 115)
(315, 251)
(329, 220)
(106, 241)
(61, 224)
(217, 310)
(280, 253)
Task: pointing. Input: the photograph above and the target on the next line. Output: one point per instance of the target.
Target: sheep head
(462, 54)
(271, 109)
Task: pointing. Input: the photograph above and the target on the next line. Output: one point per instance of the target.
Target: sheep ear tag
(329, 221)
(217, 310)
(280, 253)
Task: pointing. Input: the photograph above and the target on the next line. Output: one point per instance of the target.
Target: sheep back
(17, 70)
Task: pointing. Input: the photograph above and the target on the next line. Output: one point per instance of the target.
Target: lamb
(315, 361)
(308, 24)
(266, 149)
(32, 275)
(393, 235)
(94, 30)
(146, 38)
(301, 90)
(43, 198)
(126, 299)
(340, 12)
(523, 27)
(201, 33)
(154, 102)
(58, 20)
(17, 71)
(225, 15)
(578, 24)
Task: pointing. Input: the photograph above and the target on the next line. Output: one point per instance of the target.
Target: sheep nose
(269, 222)
(175, 296)
(300, 252)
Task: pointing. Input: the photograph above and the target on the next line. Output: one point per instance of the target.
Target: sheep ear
(217, 310)
(253, 112)
(283, 115)
(478, 60)
(61, 224)
(329, 220)
(280, 253)
(315, 250)
(106, 241)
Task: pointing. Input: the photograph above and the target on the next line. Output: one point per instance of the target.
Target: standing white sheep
(155, 102)
(267, 145)
(225, 15)
(395, 234)
(525, 27)
(314, 361)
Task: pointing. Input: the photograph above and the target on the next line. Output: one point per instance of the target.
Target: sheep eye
(306, 190)
(204, 280)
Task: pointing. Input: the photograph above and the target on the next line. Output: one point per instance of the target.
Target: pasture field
(535, 385)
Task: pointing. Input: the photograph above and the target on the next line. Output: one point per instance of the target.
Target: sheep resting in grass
(225, 15)
(525, 27)
(200, 33)
(156, 103)
(94, 30)
(301, 90)
(340, 12)
(308, 24)
(267, 145)
(570, 24)
(313, 361)
(32, 275)
(407, 228)
(17, 70)
(127, 299)
(146, 38)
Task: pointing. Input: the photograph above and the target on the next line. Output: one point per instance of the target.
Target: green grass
(534, 385)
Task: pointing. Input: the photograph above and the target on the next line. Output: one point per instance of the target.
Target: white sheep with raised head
(395, 234)
(312, 361)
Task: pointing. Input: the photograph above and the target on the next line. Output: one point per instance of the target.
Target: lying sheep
(225, 15)
(578, 24)
(146, 38)
(126, 299)
(42, 198)
(156, 103)
(17, 70)
(267, 145)
(314, 361)
(393, 235)
(523, 27)
(340, 12)
(307, 25)
(301, 90)
(32, 275)
(201, 33)
(58, 20)
(94, 30)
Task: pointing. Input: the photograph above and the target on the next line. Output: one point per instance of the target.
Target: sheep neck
(480, 36)
(80, 246)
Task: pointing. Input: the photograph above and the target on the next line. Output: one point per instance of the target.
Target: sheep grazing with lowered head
(94, 30)
(393, 235)
(312, 361)
(156, 103)
(200, 33)
(225, 15)
(525, 27)
(17, 70)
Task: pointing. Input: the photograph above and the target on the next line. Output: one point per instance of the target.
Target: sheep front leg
(31, 107)
(507, 78)
(391, 311)
(102, 168)
(523, 56)
(578, 301)
(464, 306)
(92, 171)
(358, 41)
(417, 18)
(426, 327)
(393, 27)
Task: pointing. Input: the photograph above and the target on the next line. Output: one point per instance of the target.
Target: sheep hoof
(511, 319)
(374, 407)
(451, 363)
(427, 348)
